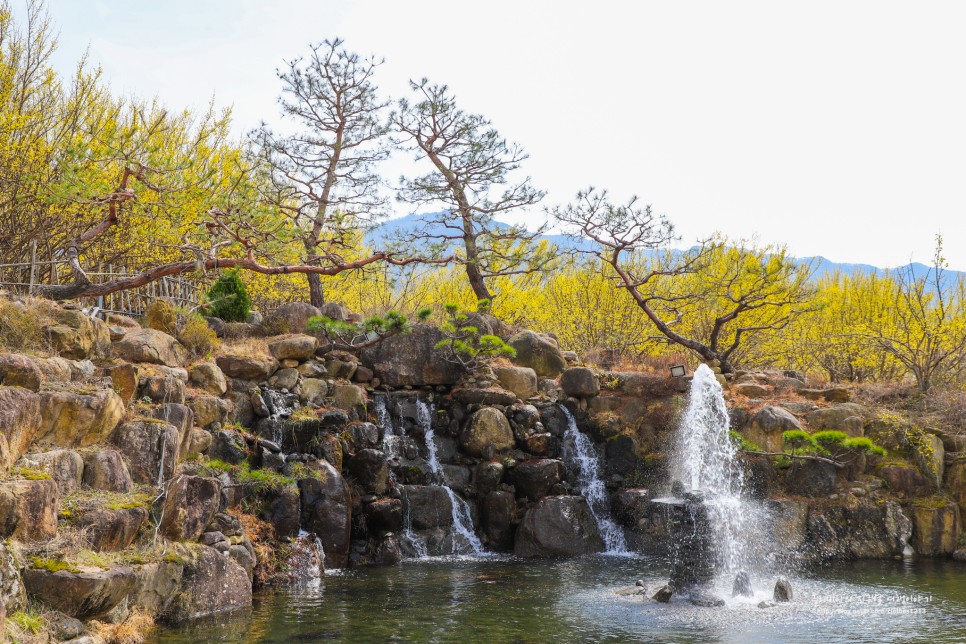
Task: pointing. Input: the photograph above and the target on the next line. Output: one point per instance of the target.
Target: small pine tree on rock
(228, 298)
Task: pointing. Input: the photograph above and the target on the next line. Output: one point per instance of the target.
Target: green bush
(464, 344)
(861, 443)
(743, 443)
(829, 438)
(228, 298)
(798, 438)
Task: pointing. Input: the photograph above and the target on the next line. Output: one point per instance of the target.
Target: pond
(497, 599)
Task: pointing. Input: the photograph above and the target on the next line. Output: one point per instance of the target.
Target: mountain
(383, 233)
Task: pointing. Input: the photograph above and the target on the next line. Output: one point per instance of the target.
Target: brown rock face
(411, 359)
(212, 583)
(28, 510)
(766, 427)
(83, 595)
(327, 512)
(20, 421)
(151, 346)
(488, 431)
(112, 530)
(191, 503)
(126, 379)
(293, 347)
(209, 377)
(20, 371)
(522, 381)
(77, 336)
(254, 368)
(105, 469)
(65, 467)
(79, 420)
(558, 526)
(935, 529)
(539, 352)
(151, 449)
(580, 382)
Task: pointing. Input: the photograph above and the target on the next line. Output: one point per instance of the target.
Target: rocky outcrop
(811, 478)
(13, 597)
(190, 504)
(155, 586)
(538, 352)
(857, 530)
(105, 469)
(84, 594)
(411, 359)
(20, 423)
(535, 479)
(211, 583)
(487, 432)
(247, 367)
(150, 346)
(905, 481)
(291, 317)
(65, 467)
(766, 427)
(293, 347)
(19, 371)
(28, 510)
(521, 381)
(936, 527)
(110, 530)
(150, 448)
(78, 419)
(580, 382)
(74, 335)
(497, 520)
(208, 377)
(558, 526)
(426, 507)
(370, 469)
(327, 512)
(843, 417)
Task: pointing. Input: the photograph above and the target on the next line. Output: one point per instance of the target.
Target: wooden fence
(24, 277)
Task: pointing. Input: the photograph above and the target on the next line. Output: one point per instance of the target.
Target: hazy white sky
(837, 127)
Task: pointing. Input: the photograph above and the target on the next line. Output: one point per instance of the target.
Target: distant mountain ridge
(385, 231)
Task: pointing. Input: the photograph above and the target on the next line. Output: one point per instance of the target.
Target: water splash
(706, 459)
(579, 451)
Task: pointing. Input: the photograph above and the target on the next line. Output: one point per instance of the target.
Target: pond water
(510, 600)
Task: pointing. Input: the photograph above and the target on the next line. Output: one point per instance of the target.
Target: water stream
(580, 451)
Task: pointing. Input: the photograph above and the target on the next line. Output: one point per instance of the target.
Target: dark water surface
(507, 600)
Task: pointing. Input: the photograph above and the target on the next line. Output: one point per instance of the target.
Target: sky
(837, 128)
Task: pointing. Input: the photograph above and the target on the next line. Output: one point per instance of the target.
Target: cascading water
(462, 521)
(706, 460)
(579, 450)
(280, 406)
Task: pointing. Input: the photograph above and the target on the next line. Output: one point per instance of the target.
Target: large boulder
(427, 506)
(13, 597)
(78, 420)
(370, 468)
(20, 422)
(112, 529)
(497, 520)
(181, 416)
(522, 381)
(293, 347)
(105, 469)
(857, 530)
(151, 449)
(487, 432)
(539, 352)
(811, 478)
(558, 526)
(384, 515)
(151, 346)
(190, 504)
(80, 593)
(327, 512)
(18, 370)
(256, 368)
(209, 410)
(843, 417)
(211, 583)
(905, 481)
(580, 382)
(155, 586)
(411, 359)
(291, 317)
(936, 527)
(534, 479)
(28, 510)
(208, 377)
(955, 481)
(126, 379)
(65, 467)
(74, 335)
(766, 427)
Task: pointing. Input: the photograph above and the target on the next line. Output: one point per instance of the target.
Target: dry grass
(247, 347)
(134, 630)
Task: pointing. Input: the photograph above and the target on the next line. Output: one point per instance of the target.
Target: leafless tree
(323, 174)
(470, 177)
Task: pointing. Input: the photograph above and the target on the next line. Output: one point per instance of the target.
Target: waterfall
(579, 451)
(280, 406)
(706, 459)
(462, 520)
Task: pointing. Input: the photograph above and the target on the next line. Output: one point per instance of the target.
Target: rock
(388, 551)
(79, 420)
(209, 410)
(155, 586)
(811, 478)
(384, 515)
(126, 379)
(348, 397)
(411, 360)
(285, 379)
(76, 336)
(65, 467)
(541, 445)
(370, 468)
(534, 479)
(20, 422)
(228, 446)
(211, 583)
(312, 391)
(112, 530)
(767, 425)
(151, 346)
(580, 382)
(858, 529)
(151, 449)
(427, 506)
(522, 381)
(294, 347)
(189, 506)
(631, 505)
(538, 352)
(936, 527)
(485, 396)
(54, 369)
(487, 432)
(182, 417)
(19, 371)
(247, 367)
(83, 595)
(312, 369)
(105, 469)
(497, 520)
(62, 626)
(291, 317)
(750, 390)
(783, 590)
(558, 526)
(163, 389)
(844, 417)
(766, 604)
(12, 594)
(28, 510)
(327, 513)
(705, 599)
(283, 512)
(208, 377)
(742, 585)
(199, 442)
(487, 476)
(663, 595)
(620, 456)
(931, 457)
(905, 481)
